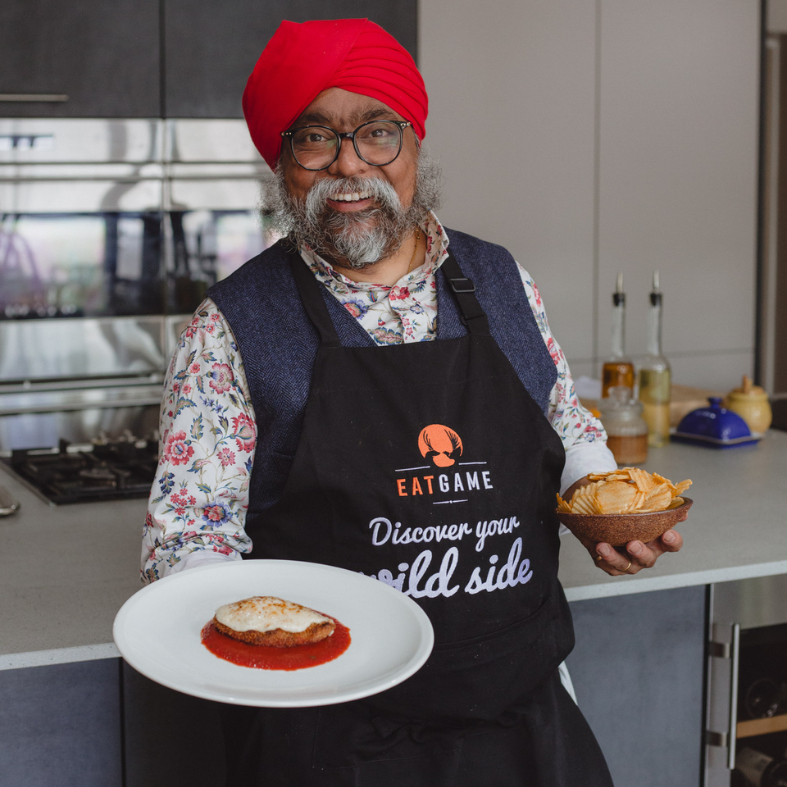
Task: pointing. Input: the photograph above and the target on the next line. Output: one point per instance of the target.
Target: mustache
(380, 191)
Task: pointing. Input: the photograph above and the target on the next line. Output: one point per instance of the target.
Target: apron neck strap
(460, 286)
(463, 290)
(311, 295)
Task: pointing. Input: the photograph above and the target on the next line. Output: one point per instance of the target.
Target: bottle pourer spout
(619, 297)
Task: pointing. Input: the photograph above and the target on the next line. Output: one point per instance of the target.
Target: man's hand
(632, 558)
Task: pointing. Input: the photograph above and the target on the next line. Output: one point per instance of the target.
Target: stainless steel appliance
(111, 231)
(747, 679)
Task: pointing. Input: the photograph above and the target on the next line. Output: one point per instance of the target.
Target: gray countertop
(736, 529)
(65, 571)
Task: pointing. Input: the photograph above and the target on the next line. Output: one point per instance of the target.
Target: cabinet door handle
(46, 98)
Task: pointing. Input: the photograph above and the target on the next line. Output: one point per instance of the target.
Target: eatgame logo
(440, 444)
(443, 447)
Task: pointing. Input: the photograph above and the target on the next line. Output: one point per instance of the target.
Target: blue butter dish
(714, 426)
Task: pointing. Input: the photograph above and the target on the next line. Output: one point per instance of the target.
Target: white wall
(512, 96)
(634, 147)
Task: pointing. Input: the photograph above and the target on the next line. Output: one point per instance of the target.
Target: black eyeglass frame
(342, 135)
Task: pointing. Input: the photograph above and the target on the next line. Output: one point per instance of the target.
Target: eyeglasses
(377, 142)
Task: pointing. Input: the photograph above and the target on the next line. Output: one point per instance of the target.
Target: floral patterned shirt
(198, 503)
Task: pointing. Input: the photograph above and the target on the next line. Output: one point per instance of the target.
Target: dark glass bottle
(762, 698)
(618, 370)
(761, 770)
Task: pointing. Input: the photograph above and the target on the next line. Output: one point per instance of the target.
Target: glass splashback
(80, 265)
(119, 263)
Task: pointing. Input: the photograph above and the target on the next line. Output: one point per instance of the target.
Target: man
(377, 373)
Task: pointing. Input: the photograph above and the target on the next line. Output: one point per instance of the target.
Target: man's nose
(347, 163)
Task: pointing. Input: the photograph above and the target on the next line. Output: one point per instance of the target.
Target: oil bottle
(654, 375)
(618, 370)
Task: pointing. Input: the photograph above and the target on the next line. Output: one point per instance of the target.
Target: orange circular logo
(440, 444)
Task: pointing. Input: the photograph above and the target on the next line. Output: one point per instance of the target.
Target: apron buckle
(462, 284)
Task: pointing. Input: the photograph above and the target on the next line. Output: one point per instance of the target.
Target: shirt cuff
(583, 458)
(202, 557)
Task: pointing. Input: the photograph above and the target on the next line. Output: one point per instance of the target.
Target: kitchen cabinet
(60, 725)
(638, 672)
(114, 59)
(103, 56)
(211, 48)
(605, 137)
(677, 188)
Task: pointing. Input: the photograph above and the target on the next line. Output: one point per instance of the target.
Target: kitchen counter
(65, 571)
(736, 529)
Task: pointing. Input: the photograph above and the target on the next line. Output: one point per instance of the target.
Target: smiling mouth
(351, 196)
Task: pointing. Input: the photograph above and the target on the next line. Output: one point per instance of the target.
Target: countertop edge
(43, 658)
(616, 587)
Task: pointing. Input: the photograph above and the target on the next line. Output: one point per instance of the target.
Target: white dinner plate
(157, 631)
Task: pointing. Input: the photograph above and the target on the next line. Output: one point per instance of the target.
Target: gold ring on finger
(626, 569)
(599, 557)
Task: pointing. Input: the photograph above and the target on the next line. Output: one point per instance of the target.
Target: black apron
(430, 467)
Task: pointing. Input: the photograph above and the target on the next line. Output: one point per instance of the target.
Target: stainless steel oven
(111, 231)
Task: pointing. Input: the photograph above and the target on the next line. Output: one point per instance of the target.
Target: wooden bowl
(619, 529)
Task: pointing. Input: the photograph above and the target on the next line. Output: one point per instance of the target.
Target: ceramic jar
(751, 403)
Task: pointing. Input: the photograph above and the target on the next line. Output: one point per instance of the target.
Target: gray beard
(354, 240)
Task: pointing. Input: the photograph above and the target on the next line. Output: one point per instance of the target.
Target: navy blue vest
(278, 343)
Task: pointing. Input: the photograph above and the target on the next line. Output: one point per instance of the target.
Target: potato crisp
(629, 490)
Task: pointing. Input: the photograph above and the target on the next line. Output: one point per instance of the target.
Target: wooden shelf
(748, 729)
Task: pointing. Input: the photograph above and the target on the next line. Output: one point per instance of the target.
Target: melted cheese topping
(265, 613)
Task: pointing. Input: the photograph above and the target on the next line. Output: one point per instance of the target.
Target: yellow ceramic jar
(751, 403)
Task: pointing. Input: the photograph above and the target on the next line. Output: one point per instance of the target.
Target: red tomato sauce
(266, 657)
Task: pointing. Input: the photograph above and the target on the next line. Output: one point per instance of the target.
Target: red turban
(303, 59)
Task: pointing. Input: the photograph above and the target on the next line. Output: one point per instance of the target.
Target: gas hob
(115, 470)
